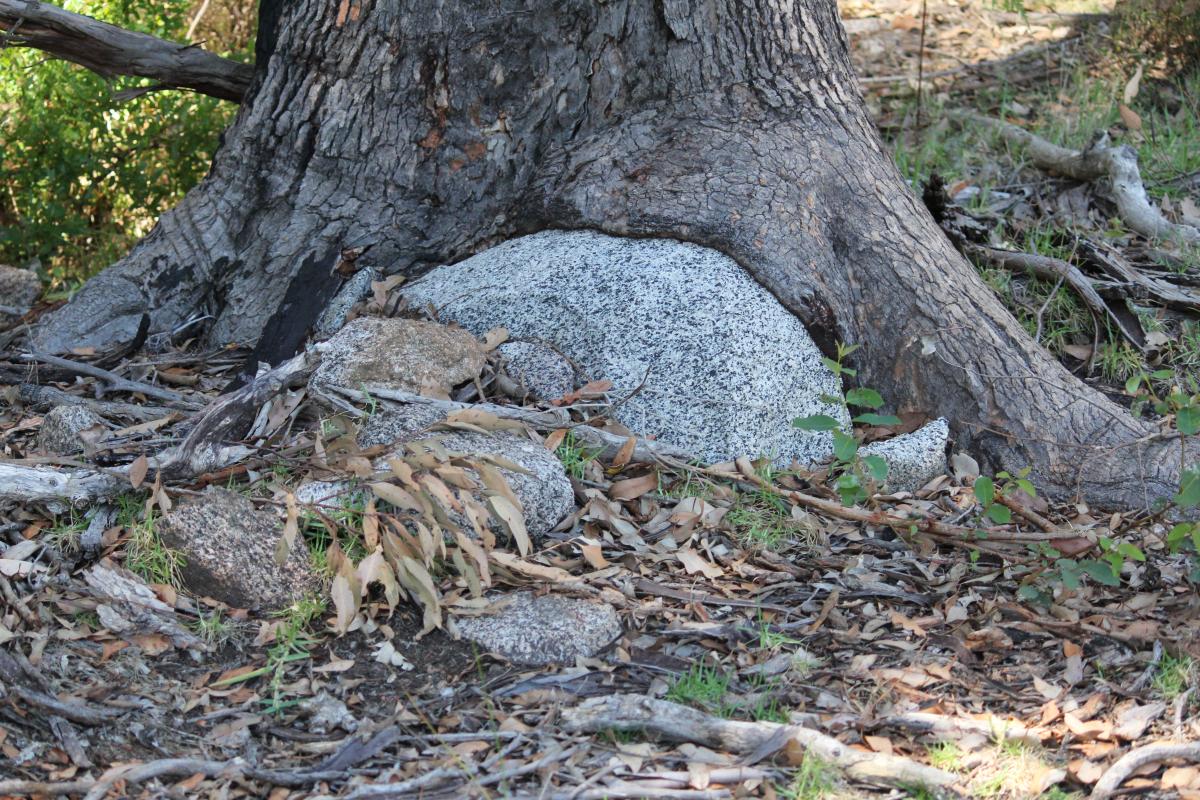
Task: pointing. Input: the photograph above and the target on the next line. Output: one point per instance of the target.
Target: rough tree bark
(426, 130)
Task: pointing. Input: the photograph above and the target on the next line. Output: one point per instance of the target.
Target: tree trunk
(426, 130)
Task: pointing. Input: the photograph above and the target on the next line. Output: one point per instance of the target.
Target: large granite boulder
(723, 368)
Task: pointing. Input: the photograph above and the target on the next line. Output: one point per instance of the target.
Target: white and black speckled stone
(535, 630)
(914, 458)
(727, 367)
(538, 369)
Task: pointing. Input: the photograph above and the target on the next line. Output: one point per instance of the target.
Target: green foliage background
(83, 175)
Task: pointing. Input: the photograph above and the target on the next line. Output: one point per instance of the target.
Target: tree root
(1127, 764)
(755, 740)
(1098, 161)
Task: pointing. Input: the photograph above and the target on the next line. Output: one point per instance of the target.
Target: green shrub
(85, 176)
(1166, 28)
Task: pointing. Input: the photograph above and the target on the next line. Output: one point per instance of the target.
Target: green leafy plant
(814, 779)
(855, 475)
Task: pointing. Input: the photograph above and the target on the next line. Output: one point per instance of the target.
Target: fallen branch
(1138, 757)
(109, 50)
(756, 740)
(1056, 269)
(24, 484)
(46, 397)
(114, 382)
(644, 451)
(1098, 161)
(956, 728)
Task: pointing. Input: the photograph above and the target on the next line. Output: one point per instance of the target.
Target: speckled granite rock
(405, 354)
(538, 369)
(333, 318)
(726, 367)
(398, 423)
(64, 428)
(229, 551)
(914, 458)
(535, 630)
(19, 288)
(546, 495)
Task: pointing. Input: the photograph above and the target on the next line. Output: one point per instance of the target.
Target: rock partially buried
(545, 493)
(914, 458)
(534, 630)
(405, 354)
(68, 429)
(723, 367)
(537, 369)
(228, 547)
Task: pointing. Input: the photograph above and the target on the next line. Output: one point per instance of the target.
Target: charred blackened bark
(426, 130)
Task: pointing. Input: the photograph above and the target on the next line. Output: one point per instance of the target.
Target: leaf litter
(757, 618)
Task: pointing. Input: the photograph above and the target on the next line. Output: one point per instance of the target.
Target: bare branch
(109, 50)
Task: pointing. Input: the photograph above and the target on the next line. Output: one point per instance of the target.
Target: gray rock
(405, 354)
(546, 495)
(535, 630)
(538, 369)
(19, 288)
(67, 430)
(726, 366)
(398, 423)
(229, 550)
(914, 458)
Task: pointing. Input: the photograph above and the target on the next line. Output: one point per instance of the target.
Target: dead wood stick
(167, 767)
(43, 397)
(1057, 269)
(209, 445)
(114, 382)
(952, 728)
(10, 597)
(1098, 161)
(1138, 757)
(109, 50)
(638, 790)
(756, 740)
(26, 484)
(644, 451)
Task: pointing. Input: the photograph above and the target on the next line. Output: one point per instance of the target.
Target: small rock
(914, 458)
(229, 551)
(538, 369)
(19, 288)
(535, 630)
(546, 495)
(405, 354)
(67, 430)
